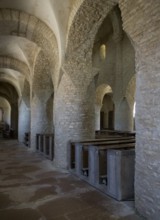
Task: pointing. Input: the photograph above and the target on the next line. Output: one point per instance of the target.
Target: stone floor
(31, 189)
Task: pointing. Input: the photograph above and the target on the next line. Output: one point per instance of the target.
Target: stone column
(144, 30)
(97, 117)
(147, 189)
(123, 116)
(23, 121)
(41, 122)
(14, 118)
(73, 116)
(41, 98)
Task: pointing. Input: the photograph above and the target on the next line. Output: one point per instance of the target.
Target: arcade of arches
(75, 66)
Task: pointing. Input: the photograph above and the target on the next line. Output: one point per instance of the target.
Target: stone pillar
(41, 122)
(23, 121)
(97, 117)
(123, 116)
(14, 118)
(41, 98)
(147, 189)
(73, 117)
(144, 30)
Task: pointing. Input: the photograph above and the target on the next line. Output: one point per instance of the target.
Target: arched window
(103, 51)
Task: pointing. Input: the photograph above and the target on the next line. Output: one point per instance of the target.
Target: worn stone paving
(32, 189)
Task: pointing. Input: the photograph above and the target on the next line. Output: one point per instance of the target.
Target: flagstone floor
(32, 189)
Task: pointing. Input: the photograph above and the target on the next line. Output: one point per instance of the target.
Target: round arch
(103, 97)
(100, 92)
(5, 111)
(9, 92)
(10, 80)
(35, 30)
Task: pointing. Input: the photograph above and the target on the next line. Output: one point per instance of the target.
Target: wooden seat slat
(111, 142)
(101, 140)
(118, 146)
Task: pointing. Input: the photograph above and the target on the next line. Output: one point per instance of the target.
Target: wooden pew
(48, 143)
(45, 145)
(106, 133)
(120, 183)
(92, 164)
(107, 173)
(81, 151)
(39, 143)
(27, 139)
(72, 146)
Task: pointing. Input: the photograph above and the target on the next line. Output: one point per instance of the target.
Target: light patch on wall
(103, 51)
(134, 110)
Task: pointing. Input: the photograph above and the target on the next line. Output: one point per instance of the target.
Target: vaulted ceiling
(28, 27)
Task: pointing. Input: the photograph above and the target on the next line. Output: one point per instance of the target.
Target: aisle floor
(32, 189)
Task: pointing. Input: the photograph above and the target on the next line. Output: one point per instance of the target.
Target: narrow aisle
(31, 189)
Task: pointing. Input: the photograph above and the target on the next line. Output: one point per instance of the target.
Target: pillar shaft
(73, 117)
(23, 121)
(41, 122)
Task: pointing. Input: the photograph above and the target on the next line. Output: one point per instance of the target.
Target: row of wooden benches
(27, 139)
(99, 134)
(107, 164)
(45, 145)
(105, 133)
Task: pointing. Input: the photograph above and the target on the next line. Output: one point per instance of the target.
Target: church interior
(80, 100)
